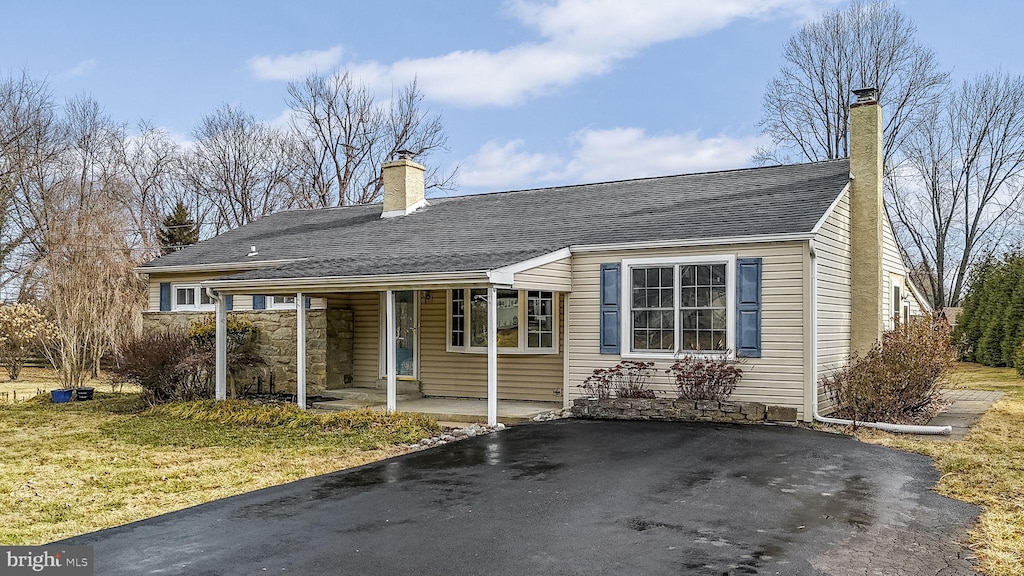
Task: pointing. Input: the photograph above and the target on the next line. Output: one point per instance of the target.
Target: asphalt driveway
(578, 497)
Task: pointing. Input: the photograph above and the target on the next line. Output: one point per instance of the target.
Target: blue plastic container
(61, 396)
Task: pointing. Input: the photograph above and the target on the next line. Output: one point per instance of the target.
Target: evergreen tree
(179, 230)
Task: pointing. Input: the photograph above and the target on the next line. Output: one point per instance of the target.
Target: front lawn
(73, 468)
(986, 468)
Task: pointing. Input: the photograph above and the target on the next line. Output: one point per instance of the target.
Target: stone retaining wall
(328, 346)
(676, 409)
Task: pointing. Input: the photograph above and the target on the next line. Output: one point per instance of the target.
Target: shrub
(240, 330)
(160, 363)
(705, 377)
(627, 379)
(23, 330)
(898, 380)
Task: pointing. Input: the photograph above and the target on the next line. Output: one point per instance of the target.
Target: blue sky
(532, 93)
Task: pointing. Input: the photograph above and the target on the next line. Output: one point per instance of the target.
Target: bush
(898, 380)
(23, 330)
(161, 363)
(627, 379)
(705, 377)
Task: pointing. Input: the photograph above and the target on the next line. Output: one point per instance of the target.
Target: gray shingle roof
(487, 231)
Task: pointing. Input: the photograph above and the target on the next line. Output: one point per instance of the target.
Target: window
(192, 297)
(702, 307)
(897, 303)
(534, 309)
(540, 319)
(678, 305)
(652, 292)
(458, 319)
(283, 302)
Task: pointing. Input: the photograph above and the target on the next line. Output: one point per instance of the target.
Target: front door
(405, 334)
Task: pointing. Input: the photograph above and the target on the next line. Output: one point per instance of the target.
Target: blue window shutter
(229, 300)
(309, 302)
(165, 296)
(610, 295)
(748, 307)
(259, 302)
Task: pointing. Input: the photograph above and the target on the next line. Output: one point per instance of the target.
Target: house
(521, 295)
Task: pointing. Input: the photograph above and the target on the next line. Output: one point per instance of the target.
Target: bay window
(534, 309)
(678, 305)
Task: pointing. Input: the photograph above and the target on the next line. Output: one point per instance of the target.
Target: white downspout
(886, 426)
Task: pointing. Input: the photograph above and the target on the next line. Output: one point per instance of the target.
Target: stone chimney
(403, 186)
(866, 213)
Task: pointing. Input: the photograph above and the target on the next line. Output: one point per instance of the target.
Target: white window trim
(626, 328)
(523, 325)
(197, 307)
(272, 305)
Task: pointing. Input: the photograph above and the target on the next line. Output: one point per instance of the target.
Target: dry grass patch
(986, 468)
(73, 468)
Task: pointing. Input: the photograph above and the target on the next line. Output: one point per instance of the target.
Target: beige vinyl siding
(443, 373)
(366, 338)
(832, 251)
(551, 276)
(777, 378)
(892, 265)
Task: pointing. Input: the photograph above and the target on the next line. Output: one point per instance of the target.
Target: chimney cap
(405, 154)
(866, 95)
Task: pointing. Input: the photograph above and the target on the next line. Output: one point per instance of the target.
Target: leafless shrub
(705, 376)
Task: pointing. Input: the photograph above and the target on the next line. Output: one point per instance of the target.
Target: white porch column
(389, 347)
(300, 351)
(221, 350)
(492, 356)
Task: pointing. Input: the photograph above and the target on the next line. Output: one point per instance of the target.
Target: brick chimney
(866, 213)
(403, 186)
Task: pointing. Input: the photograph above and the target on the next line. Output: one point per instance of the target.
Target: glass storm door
(405, 333)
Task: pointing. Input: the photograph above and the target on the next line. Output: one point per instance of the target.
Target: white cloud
(603, 155)
(504, 165)
(81, 69)
(580, 38)
(292, 66)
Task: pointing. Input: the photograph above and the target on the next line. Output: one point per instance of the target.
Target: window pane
(704, 341)
(703, 275)
(687, 276)
(703, 297)
(639, 277)
(718, 319)
(547, 340)
(508, 318)
(666, 277)
(718, 296)
(718, 337)
(688, 319)
(533, 340)
(478, 317)
(185, 296)
(689, 339)
(689, 298)
(204, 298)
(718, 275)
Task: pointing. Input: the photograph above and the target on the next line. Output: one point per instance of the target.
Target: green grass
(986, 468)
(72, 468)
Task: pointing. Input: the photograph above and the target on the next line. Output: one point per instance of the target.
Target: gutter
(886, 426)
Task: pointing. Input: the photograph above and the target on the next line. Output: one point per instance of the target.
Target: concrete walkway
(968, 407)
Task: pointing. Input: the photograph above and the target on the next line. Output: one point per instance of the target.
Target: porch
(458, 353)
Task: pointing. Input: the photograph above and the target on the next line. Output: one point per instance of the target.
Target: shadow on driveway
(578, 497)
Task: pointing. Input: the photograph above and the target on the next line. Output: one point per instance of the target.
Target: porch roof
(489, 231)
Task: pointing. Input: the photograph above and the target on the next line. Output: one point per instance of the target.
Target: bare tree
(344, 135)
(960, 189)
(241, 166)
(866, 44)
(149, 164)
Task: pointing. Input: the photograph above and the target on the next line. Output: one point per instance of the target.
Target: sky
(532, 93)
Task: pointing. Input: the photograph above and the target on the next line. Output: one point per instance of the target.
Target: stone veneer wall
(328, 345)
(677, 409)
